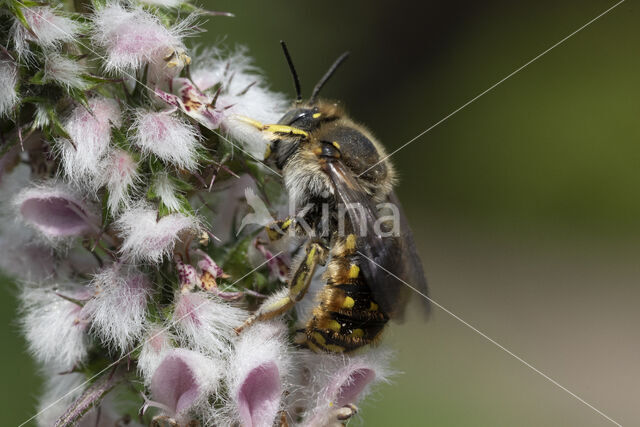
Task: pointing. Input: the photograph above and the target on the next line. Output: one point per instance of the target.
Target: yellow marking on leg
(316, 115)
(275, 128)
(335, 144)
(302, 277)
(256, 124)
(348, 302)
(284, 129)
(311, 256)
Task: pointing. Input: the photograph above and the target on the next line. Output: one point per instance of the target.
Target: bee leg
(280, 130)
(299, 283)
(277, 229)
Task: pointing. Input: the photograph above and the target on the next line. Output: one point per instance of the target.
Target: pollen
(359, 333)
(373, 306)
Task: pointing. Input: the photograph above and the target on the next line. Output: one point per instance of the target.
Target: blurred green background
(524, 204)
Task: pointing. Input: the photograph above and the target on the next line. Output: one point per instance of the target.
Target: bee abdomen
(345, 320)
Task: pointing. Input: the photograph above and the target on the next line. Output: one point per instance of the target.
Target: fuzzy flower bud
(90, 132)
(48, 29)
(170, 138)
(54, 325)
(120, 175)
(64, 71)
(149, 239)
(117, 311)
(8, 82)
(132, 38)
(206, 323)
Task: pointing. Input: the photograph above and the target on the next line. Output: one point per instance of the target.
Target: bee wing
(411, 270)
(385, 255)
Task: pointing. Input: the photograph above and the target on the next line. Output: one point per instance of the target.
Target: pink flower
(187, 275)
(56, 211)
(90, 132)
(337, 381)
(183, 380)
(48, 28)
(278, 265)
(134, 37)
(194, 103)
(258, 369)
(149, 239)
(156, 343)
(168, 137)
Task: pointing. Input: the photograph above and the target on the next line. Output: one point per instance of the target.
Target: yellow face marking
(359, 333)
(348, 302)
(354, 270)
(350, 244)
(373, 306)
(319, 338)
(334, 326)
(316, 115)
(335, 144)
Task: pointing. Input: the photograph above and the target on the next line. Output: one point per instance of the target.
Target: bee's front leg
(316, 254)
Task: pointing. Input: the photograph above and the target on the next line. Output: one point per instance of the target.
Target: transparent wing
(386, 258)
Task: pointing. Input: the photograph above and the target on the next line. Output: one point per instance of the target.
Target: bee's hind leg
(316, 254)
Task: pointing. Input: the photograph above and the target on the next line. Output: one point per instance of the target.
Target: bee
(331, 164)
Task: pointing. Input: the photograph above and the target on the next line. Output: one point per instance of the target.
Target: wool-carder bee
(327, 160)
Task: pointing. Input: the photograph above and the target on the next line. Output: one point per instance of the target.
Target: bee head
(308, 116)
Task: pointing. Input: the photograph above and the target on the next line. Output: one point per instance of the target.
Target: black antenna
(327, 76)
(296, 80)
